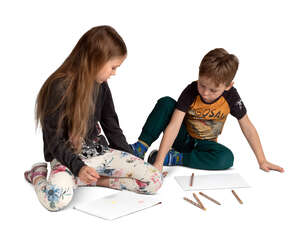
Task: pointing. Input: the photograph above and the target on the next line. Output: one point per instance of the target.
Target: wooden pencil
(192, 202)
(192, 180)
(209, 198)
(237, 197)
(199, 202)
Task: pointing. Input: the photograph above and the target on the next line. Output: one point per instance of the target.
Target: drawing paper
(212, 181)
(118, 205)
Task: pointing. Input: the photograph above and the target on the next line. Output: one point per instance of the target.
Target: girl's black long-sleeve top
(55, 144)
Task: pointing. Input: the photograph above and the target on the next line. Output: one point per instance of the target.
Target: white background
(166, 41)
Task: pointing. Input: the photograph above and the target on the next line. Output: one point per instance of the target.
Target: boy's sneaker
(172, 158)
(139, 148)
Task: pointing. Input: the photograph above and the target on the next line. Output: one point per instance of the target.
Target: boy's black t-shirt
(205, 121)
(55, 146)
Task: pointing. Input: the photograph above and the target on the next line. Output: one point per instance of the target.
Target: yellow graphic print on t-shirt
(205, 121)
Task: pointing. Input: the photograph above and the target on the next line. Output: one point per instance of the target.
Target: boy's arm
(170, 134)
(252, 137)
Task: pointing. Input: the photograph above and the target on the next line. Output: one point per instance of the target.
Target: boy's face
(208, 89)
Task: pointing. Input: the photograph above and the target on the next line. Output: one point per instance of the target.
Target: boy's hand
(267, 166)
(159, 166)
(88, 175)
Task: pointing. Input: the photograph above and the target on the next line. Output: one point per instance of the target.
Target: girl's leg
(56, 193)
(126, 171)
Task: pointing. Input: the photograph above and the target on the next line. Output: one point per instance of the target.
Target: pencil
(192, 202)
(237, 197)
(199, 202)
(192, 179)
(209, 198)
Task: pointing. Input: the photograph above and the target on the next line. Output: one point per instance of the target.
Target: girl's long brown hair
(77, 74)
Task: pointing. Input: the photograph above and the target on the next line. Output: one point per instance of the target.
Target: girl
(71, 105)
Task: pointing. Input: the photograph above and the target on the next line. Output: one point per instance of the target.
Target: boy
(192, 124)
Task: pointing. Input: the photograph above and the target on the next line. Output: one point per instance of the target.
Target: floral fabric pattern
(125, 171)
(56, 193)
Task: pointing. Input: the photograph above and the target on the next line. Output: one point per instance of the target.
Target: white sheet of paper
(118, 205)
(212, 181)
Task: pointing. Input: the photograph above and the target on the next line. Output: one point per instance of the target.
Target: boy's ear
(229, 86)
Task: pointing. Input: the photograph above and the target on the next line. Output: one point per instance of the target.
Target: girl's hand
(88, 175)
(267, 166)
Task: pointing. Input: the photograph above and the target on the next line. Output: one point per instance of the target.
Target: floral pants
(125, 171)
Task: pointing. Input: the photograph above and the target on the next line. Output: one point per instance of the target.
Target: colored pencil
(192, 202)
(209, 198)
(237, 197)
(192, 179)
(198, 200)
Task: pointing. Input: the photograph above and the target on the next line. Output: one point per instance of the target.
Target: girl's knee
(55, 198)
(154, 189)
(154, 183)
(57, 193)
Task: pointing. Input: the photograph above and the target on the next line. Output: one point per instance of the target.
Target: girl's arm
(252, 137)
(55, 145)
(169, 137)
(110, 123)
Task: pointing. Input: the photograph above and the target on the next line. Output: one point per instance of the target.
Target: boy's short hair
(219, 66)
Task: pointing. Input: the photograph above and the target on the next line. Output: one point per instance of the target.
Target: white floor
(269, 209)
(166, 41)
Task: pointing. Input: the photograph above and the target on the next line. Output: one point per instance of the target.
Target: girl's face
(109, 69)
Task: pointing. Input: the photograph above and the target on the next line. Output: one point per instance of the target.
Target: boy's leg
(156, 123)
(208, 155)
(157, 120)
(183, 143)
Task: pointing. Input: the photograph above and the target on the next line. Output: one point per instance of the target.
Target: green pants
(198, 154)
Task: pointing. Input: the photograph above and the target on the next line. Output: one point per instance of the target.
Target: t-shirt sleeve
(187, 97)
(237, 107)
